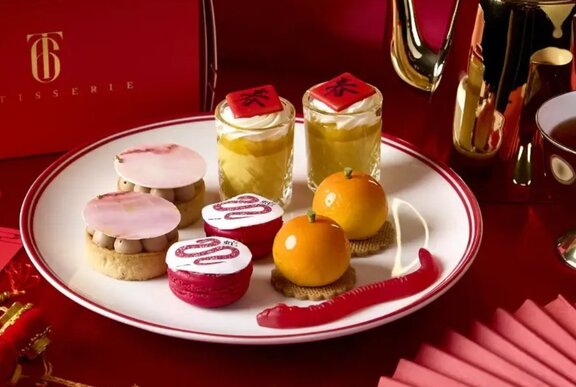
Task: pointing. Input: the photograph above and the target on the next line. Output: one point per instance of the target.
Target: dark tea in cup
(556, 121)
(565, 133)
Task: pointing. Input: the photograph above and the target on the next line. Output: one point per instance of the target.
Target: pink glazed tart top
(342, 91)
(131, 215)
(160, 165)
(211, 255)
(254, 102)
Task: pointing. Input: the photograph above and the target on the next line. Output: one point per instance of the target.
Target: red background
(152, 44)
(294, 44)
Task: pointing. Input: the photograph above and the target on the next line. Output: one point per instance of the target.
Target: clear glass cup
(336, 140)
(257, 159)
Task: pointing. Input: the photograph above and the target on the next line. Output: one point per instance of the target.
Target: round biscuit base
(383, 238)
(130, 267)
(314, 293)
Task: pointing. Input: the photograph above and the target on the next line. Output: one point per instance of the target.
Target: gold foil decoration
(12, 314)
(8, 294)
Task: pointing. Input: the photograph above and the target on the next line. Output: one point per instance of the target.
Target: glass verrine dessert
(255, 141)
(343, 122)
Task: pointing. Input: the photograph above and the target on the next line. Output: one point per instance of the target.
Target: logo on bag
(43, 55)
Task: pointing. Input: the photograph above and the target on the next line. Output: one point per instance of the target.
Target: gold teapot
(516, 47)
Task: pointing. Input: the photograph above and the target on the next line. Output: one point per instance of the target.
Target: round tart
(128, 234)
(209, 272)
(170, 171)
(247, 218)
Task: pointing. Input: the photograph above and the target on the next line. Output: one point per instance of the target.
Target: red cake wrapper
(209, 272)
(248, 218)
(209, 290)
(258, 238)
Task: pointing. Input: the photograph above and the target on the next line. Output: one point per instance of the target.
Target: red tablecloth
(516, 260)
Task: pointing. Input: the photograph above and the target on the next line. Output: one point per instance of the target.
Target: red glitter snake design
(207, 257)
(246, 202)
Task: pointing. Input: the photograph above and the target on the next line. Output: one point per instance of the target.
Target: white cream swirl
(257, 128)
(363, 112)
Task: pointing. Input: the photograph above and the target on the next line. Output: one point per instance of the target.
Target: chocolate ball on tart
(128, 234)
(169, 171)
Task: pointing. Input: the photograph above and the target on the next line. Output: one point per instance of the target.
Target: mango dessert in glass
(255, 129)
(343, 121)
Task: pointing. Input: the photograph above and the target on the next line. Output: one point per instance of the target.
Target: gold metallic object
(12, 314)
(36, 342)
(8, 294)
(415, 62)
(549, 75)
(496, 90)
(566, 247)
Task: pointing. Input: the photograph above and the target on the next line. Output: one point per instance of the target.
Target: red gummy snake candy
(284, 316)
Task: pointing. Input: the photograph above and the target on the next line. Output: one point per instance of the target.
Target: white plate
(52, 231)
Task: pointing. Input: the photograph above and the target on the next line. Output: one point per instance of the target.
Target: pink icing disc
(160, 165)
(131, 215)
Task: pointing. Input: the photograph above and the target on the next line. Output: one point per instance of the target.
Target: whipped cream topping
(363, 112)
(257, 128)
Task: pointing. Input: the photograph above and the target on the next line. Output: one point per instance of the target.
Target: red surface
(530, 342)
(473, 353)
(544, 325)
(563, 313)
(499, 345)
(121, 64)
(516, 259)
(416, 375)
(10, 244)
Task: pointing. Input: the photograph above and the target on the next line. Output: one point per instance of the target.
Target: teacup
(556, 121)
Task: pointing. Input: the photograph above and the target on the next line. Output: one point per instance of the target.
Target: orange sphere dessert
(355, 200)
(311, 250)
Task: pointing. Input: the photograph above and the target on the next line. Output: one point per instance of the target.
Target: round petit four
(355, 200)
(128, 234)
(358, 203)
(247, 218)
(209, 272)
(170, 171)
(311, 251)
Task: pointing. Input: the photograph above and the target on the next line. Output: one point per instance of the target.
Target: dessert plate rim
(34, 194)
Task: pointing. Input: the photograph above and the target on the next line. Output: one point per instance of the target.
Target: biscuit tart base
(130, 267)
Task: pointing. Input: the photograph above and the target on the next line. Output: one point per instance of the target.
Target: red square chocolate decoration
(254, 102)
(342, 91)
